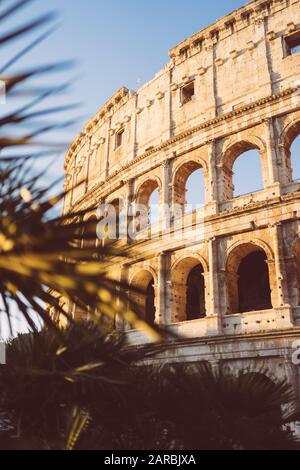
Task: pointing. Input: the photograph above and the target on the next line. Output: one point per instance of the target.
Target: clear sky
(122, 42)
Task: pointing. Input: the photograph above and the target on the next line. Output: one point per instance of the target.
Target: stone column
(121, 324)
(127, 206)
(72, 182)
(269, 163)
(281, 296)
(165, 198)
(134, 127)
(211, 180)
(273, 282)
(213, 309)
(223, 301)
(163, 298)
(292, 281)
(87, 170)
(169, 103)
(107, 147)
(207, 282)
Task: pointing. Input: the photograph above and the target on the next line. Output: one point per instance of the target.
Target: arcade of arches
(247, 273)
(142, 295)
(247, 277)
(232, 293)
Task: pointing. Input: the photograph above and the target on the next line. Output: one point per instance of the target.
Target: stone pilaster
(282, 297)
(129, 197)
(211, 188)
(121, 324)
(107, 147)
(269, 163)
(165, 198)
(163, 314)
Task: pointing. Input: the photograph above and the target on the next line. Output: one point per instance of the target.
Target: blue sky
(121, 42)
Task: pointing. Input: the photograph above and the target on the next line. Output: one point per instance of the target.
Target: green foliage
(49, 379)
(92, 394)
(190, 407)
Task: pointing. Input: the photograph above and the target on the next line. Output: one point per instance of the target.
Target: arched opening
(247, 175)
(290, 141)
(147, 209)
(142, 294)
(253, 283)
(195, 301)
(189, 187)
(248, 280)
(242, 170)
(188, 291)
(89, 235)
(295, 158)
(154, 208)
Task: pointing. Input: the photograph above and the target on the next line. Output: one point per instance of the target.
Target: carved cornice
(253, 12)
(183, 135)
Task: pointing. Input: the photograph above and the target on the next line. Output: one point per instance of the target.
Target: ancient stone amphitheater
(233, 293)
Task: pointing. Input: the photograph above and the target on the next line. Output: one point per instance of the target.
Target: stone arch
(119, 205)
(256, 242)
(146, 188)
(290, 131)
(248, 366)
(233, 149)
(142, 292)
(89, 232)
(249, 271)
(289, 134)
(182, 172)
(189, 294)
(142, 202)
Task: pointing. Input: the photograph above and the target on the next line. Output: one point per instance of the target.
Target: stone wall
(232, 87)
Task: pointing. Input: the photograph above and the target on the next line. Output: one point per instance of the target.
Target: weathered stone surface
(246, 96)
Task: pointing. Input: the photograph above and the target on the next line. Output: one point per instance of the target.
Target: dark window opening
(195, 305)
(253, 283)
(215, 35)
(119, 138)
(90, 233)
(150, 303)
(292, 43)
(199, 44)
(187, 93)
(184, 52)
(230, 25)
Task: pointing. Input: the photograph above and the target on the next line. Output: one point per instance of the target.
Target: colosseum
(229, 284)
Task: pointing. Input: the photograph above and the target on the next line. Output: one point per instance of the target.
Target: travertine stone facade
(232, 87)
